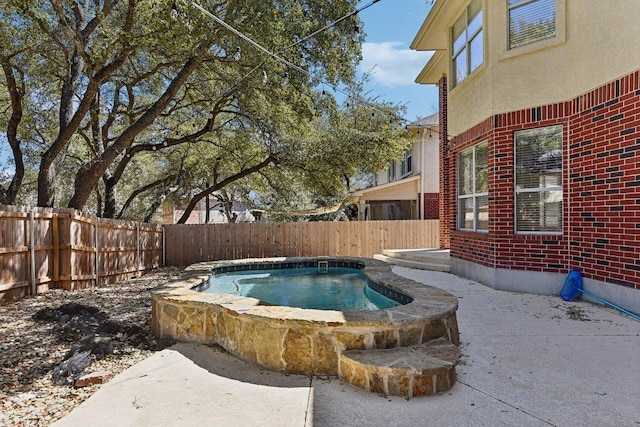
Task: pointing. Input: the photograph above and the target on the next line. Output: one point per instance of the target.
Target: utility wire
(247, 39)
(280, 58)
(333, 24)
(270, 53)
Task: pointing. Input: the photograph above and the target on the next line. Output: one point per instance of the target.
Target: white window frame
(518, 4)
(406, 167)
(542, 188)
(474, 196)
(465, 48)
(391, 172)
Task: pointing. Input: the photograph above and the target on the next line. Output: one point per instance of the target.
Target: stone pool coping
(300, 340)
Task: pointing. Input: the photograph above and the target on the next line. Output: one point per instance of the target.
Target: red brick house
(539, 141)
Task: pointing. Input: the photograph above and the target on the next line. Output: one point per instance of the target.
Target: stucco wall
(431, 165)
(429, 161)
(596, 43)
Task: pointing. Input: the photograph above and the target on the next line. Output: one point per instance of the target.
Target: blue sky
(391, 26)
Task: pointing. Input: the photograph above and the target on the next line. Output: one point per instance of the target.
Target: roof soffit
(435, 68)
(434, 32)
(429, 121)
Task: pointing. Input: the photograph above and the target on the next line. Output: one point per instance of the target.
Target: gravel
(31, 349)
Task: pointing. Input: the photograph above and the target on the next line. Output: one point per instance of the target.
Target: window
(539, 180)
(467, 46)
(473, 189)
(406, 167)
(530, 21)
(391, 173)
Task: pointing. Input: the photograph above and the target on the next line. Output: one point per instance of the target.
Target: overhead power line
(248, 39)
(283, 60)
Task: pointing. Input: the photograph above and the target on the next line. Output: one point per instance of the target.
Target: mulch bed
(49, 341)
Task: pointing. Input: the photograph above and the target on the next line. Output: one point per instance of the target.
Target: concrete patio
(528, 360)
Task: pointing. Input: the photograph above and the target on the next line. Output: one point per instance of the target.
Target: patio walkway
(528, 360)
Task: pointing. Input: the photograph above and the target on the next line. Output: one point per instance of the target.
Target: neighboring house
(539, 141)
(239, 209)
(408, 189)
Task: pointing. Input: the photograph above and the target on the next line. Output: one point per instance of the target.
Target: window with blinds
(530, 21)
(473, 188)
(467, 42)
(538, 180)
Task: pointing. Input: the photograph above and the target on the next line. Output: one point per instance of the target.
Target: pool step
(422, 259)
(419, 370)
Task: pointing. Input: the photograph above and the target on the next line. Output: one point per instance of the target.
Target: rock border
(295, 340)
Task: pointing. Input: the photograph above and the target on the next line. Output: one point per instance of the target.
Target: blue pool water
(342, 289)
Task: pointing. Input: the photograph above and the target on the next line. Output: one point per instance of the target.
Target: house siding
(601, 187)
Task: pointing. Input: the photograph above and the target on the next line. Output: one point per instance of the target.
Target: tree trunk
(98, 203)
(207, 206)
(16, 93)
(73, 105)
(109, 195)
(48, 165)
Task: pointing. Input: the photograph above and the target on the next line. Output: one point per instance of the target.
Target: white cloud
(392, 65)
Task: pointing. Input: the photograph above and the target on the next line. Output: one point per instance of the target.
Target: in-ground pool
(321, 288)
(311, 341)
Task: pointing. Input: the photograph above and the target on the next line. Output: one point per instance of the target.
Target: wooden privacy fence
(187, 244)
(44, 248)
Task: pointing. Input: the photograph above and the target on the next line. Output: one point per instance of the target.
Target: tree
(121, 94)
(318, 169)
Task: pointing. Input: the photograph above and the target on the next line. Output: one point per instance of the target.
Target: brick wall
(447, 205)
(604, 183)
(431, 205)
(601, 188)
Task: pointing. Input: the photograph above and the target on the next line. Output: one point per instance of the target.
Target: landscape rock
(98, 377)
(72, 368)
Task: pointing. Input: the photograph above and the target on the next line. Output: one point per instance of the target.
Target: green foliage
(166, 109)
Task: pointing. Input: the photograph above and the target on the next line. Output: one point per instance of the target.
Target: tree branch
(89, 175)
(136, 193)
(217, 186)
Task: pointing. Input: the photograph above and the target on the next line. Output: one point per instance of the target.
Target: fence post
(137, 249)
(97, 254)
(164, 251)
(32, 249)
(55, 240)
